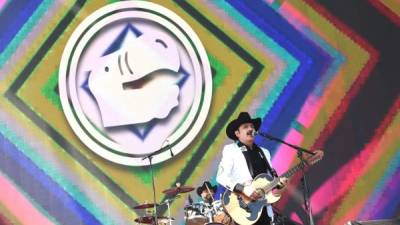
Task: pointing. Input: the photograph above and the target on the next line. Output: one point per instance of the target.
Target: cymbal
(145, 206)
(151, 219)
(178, 190)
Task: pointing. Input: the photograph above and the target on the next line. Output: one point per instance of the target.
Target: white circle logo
(134, 80)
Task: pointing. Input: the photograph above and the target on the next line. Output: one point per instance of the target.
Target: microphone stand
(306, 190)
(150, 157)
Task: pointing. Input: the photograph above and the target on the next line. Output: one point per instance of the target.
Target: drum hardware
(173, 193)
(146, 206)
(168, 203)
(153, 220)
(198, 210)
(178, 190)
(150, 157)
(207, 214)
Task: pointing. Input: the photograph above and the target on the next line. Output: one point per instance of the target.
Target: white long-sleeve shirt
(233, 168)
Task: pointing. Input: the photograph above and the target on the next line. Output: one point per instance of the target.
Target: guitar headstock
(312, 159)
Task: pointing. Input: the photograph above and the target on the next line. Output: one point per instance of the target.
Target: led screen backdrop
(321, 74)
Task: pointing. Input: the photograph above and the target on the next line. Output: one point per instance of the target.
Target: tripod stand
(150, 157)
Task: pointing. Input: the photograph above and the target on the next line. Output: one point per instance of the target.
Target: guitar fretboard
(287, 174)
(293, 170)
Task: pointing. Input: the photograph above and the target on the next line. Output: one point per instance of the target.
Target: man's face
(206, 196)
(244, 133)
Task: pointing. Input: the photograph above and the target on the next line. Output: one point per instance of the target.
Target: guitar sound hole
(260, 192)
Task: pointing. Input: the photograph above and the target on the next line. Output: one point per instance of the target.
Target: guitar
(246, 211)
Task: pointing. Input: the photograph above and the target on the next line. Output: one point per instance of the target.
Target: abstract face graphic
(137, 76)
(133, 77)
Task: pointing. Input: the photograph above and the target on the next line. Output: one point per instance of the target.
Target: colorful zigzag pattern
(321, 74)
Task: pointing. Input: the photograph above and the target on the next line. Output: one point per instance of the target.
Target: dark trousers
(264, 218)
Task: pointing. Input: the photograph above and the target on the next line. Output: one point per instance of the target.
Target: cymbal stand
(168, 202)
(154, 192)
(150, 157)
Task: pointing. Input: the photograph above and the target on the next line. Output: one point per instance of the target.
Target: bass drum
(197, 220)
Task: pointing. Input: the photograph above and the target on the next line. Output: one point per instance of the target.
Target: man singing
(243, 160)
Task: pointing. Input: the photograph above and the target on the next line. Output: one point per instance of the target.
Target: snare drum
(194, 214)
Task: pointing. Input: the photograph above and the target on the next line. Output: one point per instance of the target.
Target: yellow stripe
(392, 5)
(8, 215)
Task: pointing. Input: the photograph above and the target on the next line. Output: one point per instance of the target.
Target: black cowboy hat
(203, 187)
(243, 117)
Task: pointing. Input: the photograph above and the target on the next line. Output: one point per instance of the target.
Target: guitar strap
(247, 157)
(270, 169)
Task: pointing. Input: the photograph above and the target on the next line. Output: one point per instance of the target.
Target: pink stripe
(310, 111)
(2, 4)
(293, 15)
(18, 205)
(340, 183)
(294, 217)
(285, 155)
(270, 1)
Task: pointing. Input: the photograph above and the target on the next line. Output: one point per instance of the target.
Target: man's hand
(283, 182)
(250, 192)
(281, 186)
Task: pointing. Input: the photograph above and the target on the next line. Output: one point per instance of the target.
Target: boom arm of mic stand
(284, 142)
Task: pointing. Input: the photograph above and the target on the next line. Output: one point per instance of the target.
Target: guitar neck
(288, 174)
(293, 170)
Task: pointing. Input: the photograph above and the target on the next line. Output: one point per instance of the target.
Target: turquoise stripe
(55, 175)
(291, 63)
(24, 31)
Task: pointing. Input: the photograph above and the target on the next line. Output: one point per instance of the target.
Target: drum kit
(195, 214)
(199, 213)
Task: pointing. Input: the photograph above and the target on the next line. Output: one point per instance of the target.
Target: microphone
(169, 147)
(264, 135)
(254, 133)
(170, 150)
